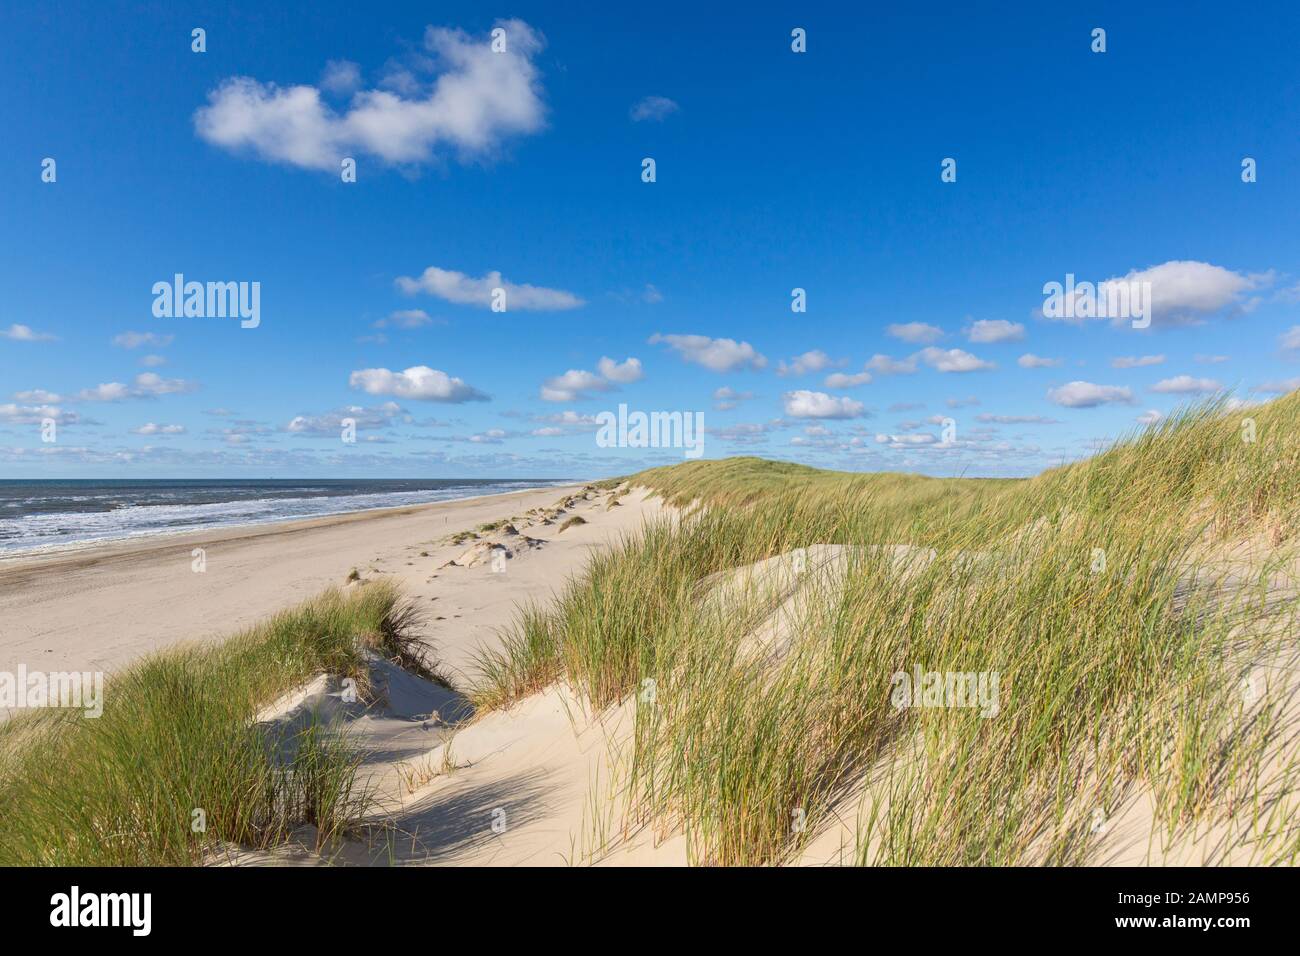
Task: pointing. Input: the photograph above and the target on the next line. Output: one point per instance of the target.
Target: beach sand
(101, 608)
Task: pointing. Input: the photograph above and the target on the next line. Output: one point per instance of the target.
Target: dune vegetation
(1137, 609)
(177, 763)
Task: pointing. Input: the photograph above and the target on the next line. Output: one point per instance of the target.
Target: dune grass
(1119, 666)
(177, 765)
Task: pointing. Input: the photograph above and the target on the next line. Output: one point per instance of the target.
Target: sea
(42, 516)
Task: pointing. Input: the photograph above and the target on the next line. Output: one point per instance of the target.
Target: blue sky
(775, 170)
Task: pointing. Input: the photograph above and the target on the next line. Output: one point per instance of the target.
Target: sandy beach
(100, 608)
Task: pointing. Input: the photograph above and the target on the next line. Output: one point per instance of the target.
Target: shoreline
(103, 607)
(96, 549)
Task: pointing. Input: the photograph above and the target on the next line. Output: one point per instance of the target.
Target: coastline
(11, 557)
(104, 606)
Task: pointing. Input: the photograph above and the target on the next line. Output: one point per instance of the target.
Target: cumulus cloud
(12, 414)
(1136, 361)
(341, 76)
(1186, 385)
(417, 382)
(478, 100)
(907, 441)
(655, 108)
(1150, 416)
(1184, 292)
(1030, 360)
(987, 331)
(813, 361)
(458, 288)
(38, 396)
(573, 385)
(577, 384)
(806, 404)
(726, 398)
(25, 333)
(145, 385)
(953, 360)
(1290, 339)
(331, 423)
(1089, 395)
(625, 372)
(918, 333)
(152, 428)
(884, 365)
(718, 355)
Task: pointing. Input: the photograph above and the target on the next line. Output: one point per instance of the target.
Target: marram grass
(1119, 665)
(177, 766)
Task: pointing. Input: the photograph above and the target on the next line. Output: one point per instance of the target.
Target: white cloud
(718, 355)
(481, 98)
(1150, 416)
(1290, 339)
(907, 441)
(813, 361)
(806, 404)
(1089, 395)
(1211, 359)
(1030, 360)
(1136, 361)
(884, 365)
(133, 340)
(576, 383)
(1186, 385)
(38, 396)
(987, 331)
(12, 414)
(341, 76)
(145, 385)
(918, 333)
(953, 360)
(152, 361)
(651, 295)
(25, 333)
(418, 382)
(331, 423)
(726, 398)
(152, 428)
(573, 385)
(1183, 291)
(623, 372)
(461, 289)
(653, 108)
